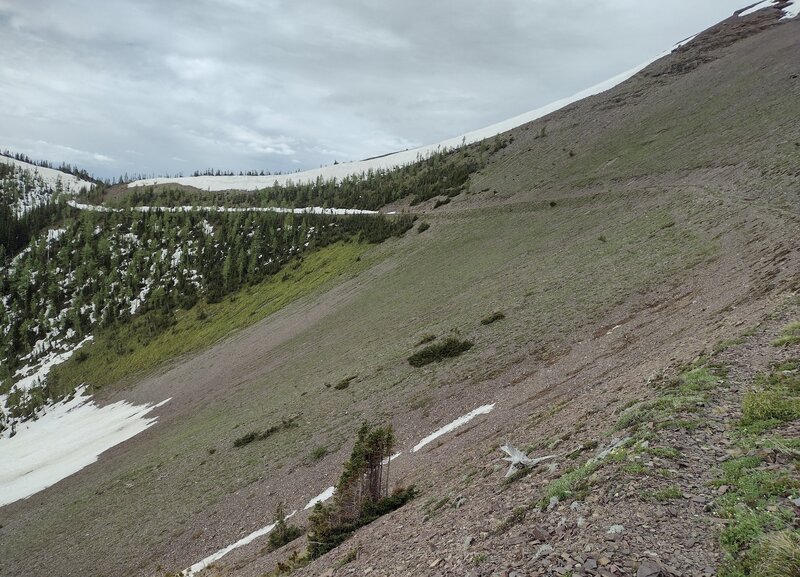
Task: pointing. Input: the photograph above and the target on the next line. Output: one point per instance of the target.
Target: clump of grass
(433, 505)
(752, 507)
(479, 559)
(727, 343)
(761, 406)
(492, 318)
(635, 468)
(666, 494)
(684, 394)
(663, 452)
(790, 335)
(318, 453)
(571, 484)
(698, 379)
(252, 436)
(635, 415)
(778, 554)
(450, 347)
(423, 226)
(441, 202)
(775, 400)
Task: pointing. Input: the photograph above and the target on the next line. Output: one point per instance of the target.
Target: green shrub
(423, 226)
(450, 347)
(769, 405)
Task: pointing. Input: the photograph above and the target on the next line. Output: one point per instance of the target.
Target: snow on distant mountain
(790, 11)
(29, 186)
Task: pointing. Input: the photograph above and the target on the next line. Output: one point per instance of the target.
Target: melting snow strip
(453, 426)
(65, 439)
(755, 8)
(200, 565)
(278, 209)
(321, 498)
(388, 460)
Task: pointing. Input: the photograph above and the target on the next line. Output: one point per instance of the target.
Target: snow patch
(388, 460)
(321, 498)
(791, 11)
(65, 438)
(37, 374)
(485, 409)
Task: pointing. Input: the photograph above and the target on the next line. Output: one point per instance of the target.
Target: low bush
(248, 438)
(450, 347)
(344, 383)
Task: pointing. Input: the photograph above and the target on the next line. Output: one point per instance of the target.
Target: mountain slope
(620, 237)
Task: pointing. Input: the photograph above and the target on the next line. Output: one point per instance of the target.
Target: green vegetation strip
(119, 354)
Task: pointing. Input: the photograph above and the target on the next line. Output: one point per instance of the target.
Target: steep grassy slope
(638, 229)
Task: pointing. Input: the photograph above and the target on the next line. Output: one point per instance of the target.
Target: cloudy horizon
(163, 87)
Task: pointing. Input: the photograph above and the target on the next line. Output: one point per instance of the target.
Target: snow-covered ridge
(51, 176)
(29, 186)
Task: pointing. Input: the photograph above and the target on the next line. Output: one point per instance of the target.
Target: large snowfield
(67, 437)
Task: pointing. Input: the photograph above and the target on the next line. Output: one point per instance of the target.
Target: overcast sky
(157, 86)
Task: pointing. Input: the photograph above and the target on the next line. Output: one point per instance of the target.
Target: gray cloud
(163, 86)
